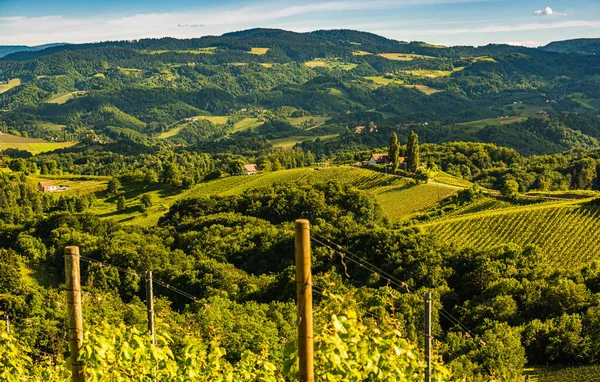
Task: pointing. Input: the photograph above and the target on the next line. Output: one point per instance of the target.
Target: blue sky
(448, 22)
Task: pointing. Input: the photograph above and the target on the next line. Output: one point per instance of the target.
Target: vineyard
(561, 229)
(365, 180)
(399, 202)
(575, 374)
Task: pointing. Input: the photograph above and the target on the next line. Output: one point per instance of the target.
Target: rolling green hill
(561, 229)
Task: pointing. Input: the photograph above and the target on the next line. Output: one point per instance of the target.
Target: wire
(155, 280)
(323, 292)
(386, 276)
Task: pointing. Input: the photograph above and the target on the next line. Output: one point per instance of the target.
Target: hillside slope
(576, 46)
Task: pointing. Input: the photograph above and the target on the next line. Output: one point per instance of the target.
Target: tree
(412, 152)
(510, 188)
(394, 152)
(146, 201)
(113, 186)
(18, 165)
(421, 176)
(235, 167)
(121, 205)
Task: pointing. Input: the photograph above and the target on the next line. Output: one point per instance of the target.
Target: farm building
(384, 159)
(47, 187)
(250, 169)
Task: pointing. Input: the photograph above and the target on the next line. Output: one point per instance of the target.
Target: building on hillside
(542, 113)
(191, 119)
(250, 169)
(384, 160)
(47, 187)
(360, 129)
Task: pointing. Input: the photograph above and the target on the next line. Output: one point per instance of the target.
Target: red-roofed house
(384, 159)
(47, 187)
(250, 169)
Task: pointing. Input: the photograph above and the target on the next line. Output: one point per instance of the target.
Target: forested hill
(9, 49)
(576, 46)
(311, 44)
(273, 88)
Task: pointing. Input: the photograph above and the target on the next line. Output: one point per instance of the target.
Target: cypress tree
(412, 152)
(394, 151)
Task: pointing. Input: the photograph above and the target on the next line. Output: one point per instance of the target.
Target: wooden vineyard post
(428, 336)
(304, 297)
(73, 287)
(150, 305)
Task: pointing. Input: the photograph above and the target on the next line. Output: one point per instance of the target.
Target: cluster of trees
(230, 253)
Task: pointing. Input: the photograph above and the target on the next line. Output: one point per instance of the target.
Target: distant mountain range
(576, 46)
(9, 49)
(582, 46)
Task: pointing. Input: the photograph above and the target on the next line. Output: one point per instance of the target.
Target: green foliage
(348, 349)
(121, 203)
(510, 188)
(113, 186)
(394, 152)
(412, 152)
(120, 354)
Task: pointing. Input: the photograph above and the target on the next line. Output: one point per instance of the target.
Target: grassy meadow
(384, 81)
(424, 88)
(11, 84)
(33, 145)
(259, 51)
(403, 56)
(62, 98)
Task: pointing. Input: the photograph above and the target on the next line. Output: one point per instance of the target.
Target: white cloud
(548, 12)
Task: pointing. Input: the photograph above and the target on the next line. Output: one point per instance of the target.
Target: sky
(445, 22)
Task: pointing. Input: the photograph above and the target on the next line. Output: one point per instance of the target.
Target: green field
(289, 142)
(61, 98)
(399, 202)
(424, 88)
(330, 63)
(171, 133)
(587, 103)
(131, 71)
(246, 124)
(568, 374)
(381, 80)
(429, 73)
(484, 59)
(402, 56)
(11, 84)
(37, 148)
(561, 229)
(259, 51)
(216, 119)
(493, 122)
(232, 185)
(361, 53)
(79, 184)
(50, 125)
(312, 120)
(190, 51)
(33, 145)
(266, 65)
